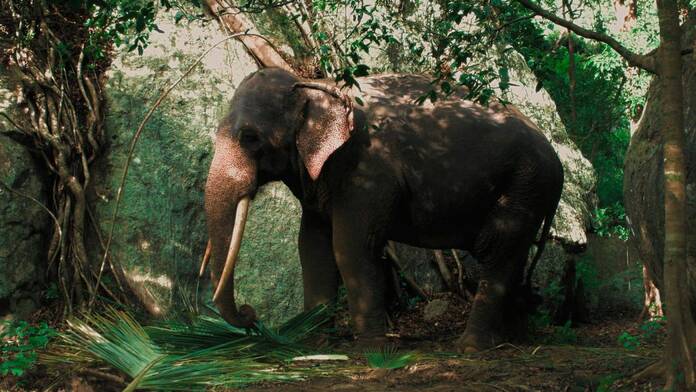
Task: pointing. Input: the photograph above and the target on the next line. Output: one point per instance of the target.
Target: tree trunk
(644, 168)
(652, 304)
(60, 101)
(679, 351)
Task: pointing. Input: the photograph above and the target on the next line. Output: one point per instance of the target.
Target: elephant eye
(249, 138)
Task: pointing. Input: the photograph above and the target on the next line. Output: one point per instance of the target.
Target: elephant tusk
(235, 244)
(206, 258)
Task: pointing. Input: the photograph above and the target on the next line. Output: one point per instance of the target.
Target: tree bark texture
(60, 117)
(661, 217)
(644, 168)
(681, 332)
(233, 21)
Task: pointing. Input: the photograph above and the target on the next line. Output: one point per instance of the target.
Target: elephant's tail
(540, 244)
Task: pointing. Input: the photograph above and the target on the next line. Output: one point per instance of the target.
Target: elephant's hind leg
(501, 248)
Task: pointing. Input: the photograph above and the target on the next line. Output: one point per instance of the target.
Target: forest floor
(589, 357)
(594, 363)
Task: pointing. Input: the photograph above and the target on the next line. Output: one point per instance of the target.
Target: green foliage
(586, 271)
(564, 334)
(611, 221)
(445, 39)
(539, 320)
(624, 288)
(20, 343)
(607, 95)
(553, 291)
(52, 292)
(280, 26)
(178, 355)
(595, 114)
(648, 330)
(605, 384)
(126, 23)
(628, 341)
(601, 290)
(388, 357)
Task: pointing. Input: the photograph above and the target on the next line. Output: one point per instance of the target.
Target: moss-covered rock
(23, 224)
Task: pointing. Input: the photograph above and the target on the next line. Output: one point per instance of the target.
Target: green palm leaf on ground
(388, 357)
(175, 355)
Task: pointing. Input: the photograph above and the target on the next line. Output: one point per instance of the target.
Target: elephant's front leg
(319, 272)
(357, 244)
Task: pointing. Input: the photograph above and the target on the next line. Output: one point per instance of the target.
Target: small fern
(388, 357)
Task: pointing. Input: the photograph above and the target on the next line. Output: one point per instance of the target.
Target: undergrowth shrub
(20, 343)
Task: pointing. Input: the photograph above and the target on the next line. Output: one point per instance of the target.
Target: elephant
(369, 165)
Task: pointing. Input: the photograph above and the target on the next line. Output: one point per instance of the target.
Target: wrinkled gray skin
(448, 175)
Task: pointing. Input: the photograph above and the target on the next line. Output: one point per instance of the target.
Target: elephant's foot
(362, 344)
(370, 342)
(473, 342)
(370, 332)
(485, 325)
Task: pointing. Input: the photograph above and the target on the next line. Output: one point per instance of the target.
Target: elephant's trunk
(226, 196)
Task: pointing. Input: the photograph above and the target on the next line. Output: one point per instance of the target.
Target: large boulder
(160, 233)
(644, 176)
(24, 225)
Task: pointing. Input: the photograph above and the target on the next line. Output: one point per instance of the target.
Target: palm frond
(206, 332)
(176, 355)
(388, 357)
(116, 336)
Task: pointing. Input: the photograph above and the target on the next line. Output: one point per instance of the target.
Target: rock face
(23, 224)
(434, 309)
(160, 233)
(643, 174)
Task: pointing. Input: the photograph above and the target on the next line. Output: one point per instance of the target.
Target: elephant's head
(275, 120)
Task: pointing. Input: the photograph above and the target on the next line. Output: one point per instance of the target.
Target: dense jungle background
(102, 228)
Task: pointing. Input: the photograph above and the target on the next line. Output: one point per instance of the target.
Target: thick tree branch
(637, 60)
(265, 54)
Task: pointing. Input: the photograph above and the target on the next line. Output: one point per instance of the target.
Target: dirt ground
(588, 357)
(509, 368)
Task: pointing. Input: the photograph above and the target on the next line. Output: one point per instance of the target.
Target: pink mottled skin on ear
(328, 125)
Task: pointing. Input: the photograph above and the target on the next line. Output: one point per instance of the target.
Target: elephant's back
(447, 128)
(396, 97)
(453, 156)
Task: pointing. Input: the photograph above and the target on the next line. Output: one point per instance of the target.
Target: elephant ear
(328, 123)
